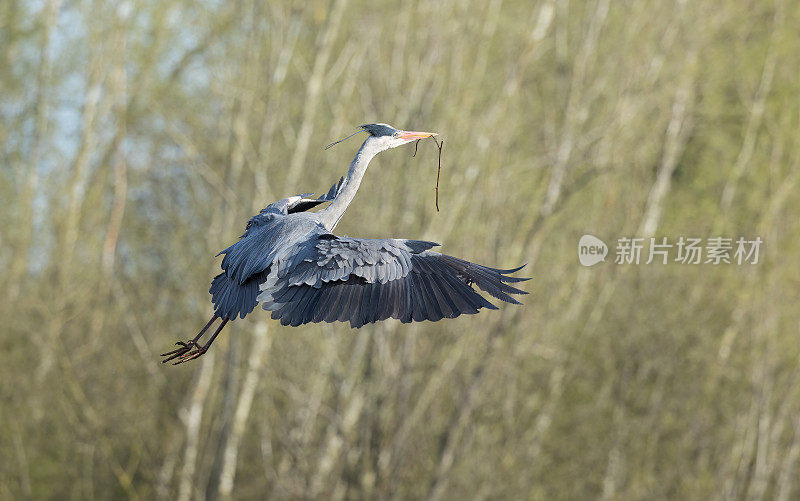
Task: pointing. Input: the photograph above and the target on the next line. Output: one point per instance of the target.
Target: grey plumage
(400, 279)
(298, 267)
(289, 260)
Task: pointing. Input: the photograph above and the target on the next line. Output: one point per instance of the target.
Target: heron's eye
(396, 134)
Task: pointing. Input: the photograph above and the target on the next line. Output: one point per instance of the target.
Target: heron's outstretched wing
(269, 236)
(330, 278)
(305, 204)
(245, 266)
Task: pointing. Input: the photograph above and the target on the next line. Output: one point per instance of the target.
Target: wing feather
(361, 281)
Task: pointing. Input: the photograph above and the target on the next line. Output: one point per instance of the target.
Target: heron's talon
(190, 356)
(185, 347)
(191, 349)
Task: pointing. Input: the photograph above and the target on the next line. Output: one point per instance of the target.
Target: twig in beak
(438, 169)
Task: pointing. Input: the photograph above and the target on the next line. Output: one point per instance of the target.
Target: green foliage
(137, 138)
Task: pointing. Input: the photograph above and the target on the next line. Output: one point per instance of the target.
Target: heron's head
(385, 136)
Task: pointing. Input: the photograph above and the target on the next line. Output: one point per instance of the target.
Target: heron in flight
(290, 262)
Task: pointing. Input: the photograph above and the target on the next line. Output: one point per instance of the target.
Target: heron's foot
(184, 349)
(198, 352)
(190, 349)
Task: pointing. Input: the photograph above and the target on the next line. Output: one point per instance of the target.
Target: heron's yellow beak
(410, 135)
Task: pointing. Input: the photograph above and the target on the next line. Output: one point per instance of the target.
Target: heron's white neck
(330, 216)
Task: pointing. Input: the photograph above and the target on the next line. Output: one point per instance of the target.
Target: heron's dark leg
(187, 346)
(200, 350)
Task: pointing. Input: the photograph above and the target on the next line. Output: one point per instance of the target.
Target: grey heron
(290, 262)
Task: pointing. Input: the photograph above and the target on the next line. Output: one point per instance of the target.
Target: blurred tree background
(137, 137)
